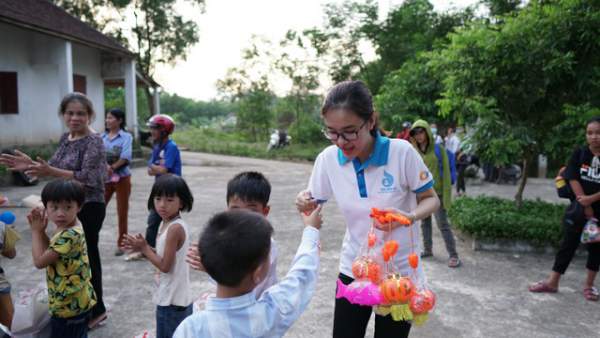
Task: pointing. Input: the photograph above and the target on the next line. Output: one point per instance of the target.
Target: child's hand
(134, 243)
(38, 219)
(193, 258)
(314, 219)
(305, 202)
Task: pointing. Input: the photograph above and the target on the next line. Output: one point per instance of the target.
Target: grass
(218, 142)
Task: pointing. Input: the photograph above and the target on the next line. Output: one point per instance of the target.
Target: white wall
(87, 62)
(37, 121)
(44, 76)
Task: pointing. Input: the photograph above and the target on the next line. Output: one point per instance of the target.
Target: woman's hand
(585, 200)
(304, 202)
(134, 243)
(193, 258)
(394, 224)
(109, 171)
(38, 219)
(17, 162)
(39, 168)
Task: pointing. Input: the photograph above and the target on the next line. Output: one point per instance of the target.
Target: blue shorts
(169, 317)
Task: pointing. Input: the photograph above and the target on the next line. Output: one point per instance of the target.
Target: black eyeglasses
(347, 135)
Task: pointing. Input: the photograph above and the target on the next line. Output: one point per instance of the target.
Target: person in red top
(405, 133)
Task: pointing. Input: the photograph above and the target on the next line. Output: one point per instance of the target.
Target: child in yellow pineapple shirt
(68, 275)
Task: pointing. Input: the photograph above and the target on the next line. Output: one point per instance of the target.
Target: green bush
(537, 222)
(306, 131)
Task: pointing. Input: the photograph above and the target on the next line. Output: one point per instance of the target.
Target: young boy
(248, 190)
(165, 159)
(239, 268)
(70, 292)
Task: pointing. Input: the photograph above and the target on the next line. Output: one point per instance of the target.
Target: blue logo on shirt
(388, 180)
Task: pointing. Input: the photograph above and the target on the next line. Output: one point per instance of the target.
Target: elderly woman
(80, 156)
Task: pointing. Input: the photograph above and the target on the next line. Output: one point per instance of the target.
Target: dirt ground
(486, 297)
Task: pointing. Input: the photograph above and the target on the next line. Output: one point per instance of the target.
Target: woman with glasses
(363, 169)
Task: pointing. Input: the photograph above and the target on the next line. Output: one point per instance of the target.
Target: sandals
(542, 286)
(454, 262)
(591, 294)
(96, 322)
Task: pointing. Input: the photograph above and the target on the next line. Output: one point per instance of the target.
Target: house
(45, 53)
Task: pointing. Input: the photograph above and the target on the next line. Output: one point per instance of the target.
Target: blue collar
(119, 134)
(378, 157)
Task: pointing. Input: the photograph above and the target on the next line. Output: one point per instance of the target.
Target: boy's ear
(266, 209)
(258, 273)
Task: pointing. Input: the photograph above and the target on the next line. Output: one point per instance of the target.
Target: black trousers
(569, 244)
(460, 180)
(152, 228)
(91, 217)
(350, 320)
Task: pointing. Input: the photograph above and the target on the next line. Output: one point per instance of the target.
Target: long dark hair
(353, 96)
(119, 115)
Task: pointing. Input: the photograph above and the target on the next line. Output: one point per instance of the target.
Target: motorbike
(278, 139)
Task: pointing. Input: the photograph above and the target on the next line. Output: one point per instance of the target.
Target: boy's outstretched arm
(293, 293)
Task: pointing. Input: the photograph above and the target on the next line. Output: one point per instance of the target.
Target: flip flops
(542, 286)
(591, 294)
(454, 262)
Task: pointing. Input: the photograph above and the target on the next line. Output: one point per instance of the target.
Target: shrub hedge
(536, 222)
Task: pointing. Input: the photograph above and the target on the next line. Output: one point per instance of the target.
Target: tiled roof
(45, 17)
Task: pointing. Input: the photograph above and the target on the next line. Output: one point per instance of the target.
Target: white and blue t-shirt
(390, 178)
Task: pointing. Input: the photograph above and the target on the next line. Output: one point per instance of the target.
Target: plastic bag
(31, 318)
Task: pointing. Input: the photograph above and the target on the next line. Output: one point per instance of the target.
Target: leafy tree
(157, 33)
(516, 80)
(410, 93)
(254, 117)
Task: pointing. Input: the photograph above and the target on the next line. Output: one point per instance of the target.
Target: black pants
(75, 327)
(91, 217)
(152, 229)
(570, 241)
(460, 180)
(350, 320)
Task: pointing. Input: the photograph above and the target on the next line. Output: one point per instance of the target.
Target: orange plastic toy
(413, 260)
(366, 268)
(387, 217)
(389, 249)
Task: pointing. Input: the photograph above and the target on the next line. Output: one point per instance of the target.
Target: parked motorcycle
(278, 139)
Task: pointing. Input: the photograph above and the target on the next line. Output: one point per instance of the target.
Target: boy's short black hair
(61, 190)
(233, 244)
(249, 186)
(171, 185)
(595, 119)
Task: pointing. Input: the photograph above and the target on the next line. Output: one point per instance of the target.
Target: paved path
(486, 297)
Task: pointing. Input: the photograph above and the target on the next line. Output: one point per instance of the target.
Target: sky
(226, 28)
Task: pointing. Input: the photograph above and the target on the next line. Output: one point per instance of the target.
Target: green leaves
(495, 218)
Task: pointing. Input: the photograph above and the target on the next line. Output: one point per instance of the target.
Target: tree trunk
(519, 195)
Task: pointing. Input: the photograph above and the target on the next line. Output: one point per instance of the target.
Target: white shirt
(391, 177)
(453, 143)
(173, 288)
(269, 316)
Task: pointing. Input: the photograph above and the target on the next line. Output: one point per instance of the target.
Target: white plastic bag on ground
(31, 318)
